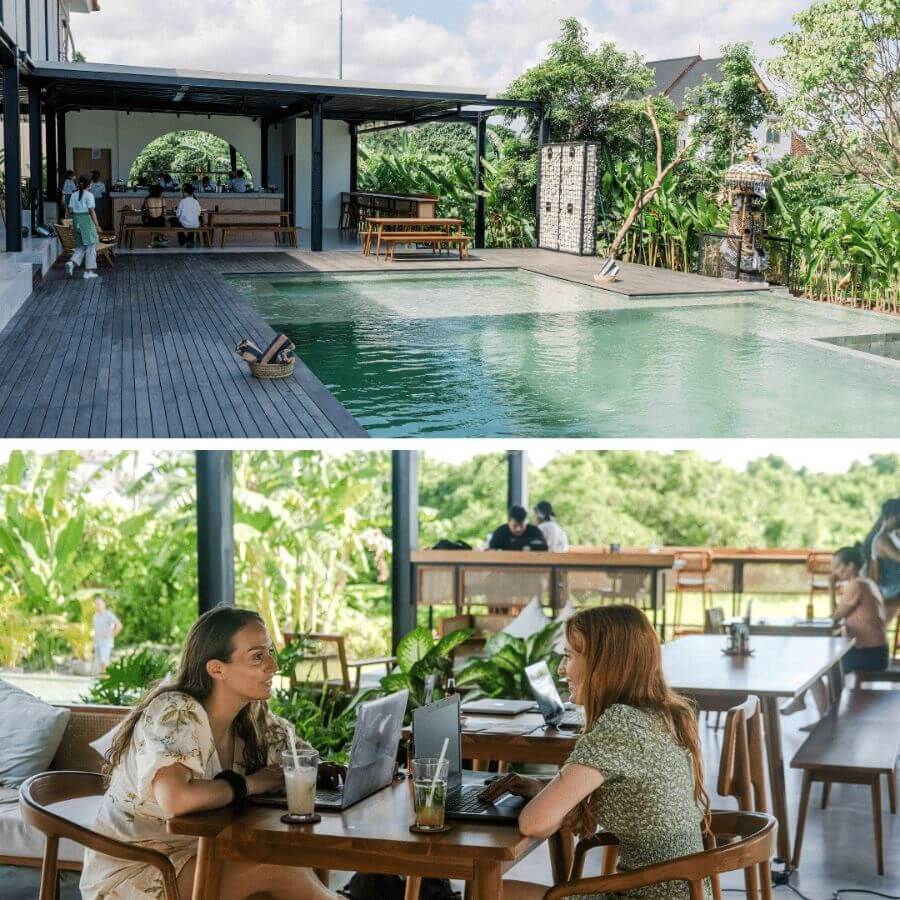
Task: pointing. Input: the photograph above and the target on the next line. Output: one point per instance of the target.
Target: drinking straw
(437, 771)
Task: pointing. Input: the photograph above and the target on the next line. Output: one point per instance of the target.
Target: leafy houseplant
(129, 677)
(420, 655)
(502, 672)
(325, 718)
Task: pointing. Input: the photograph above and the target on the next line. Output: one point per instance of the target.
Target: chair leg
(801, 817)
(826, 793)
(892, 791)
(876, 816)
(49, 872)
(413, 885)
(765, 879)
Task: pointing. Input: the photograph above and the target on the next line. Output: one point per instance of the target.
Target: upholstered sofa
(21, 845)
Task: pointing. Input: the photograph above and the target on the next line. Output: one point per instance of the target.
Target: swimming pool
(510, 353)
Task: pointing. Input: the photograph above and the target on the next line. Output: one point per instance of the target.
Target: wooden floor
(147, 350)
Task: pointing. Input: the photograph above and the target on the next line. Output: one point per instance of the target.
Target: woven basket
(605, 279)
(271, 370)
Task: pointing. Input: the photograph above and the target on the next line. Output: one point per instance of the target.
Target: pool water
(509, 353)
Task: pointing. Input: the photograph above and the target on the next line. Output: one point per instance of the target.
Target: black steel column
(316, 189)
(404, 539)
(52, 164)
(232, 157)
(264, 152)
(35, 155)
(543, 137)
(354, 159)
(215, 530)
(12, 159)
(480, 151)
(62, 151)
(516, 478)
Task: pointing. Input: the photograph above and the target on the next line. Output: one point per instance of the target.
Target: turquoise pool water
(509, 353)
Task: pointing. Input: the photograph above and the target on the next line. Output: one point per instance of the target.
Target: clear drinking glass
(301, 772)
(430, 792)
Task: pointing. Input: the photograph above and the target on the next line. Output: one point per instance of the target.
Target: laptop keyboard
(466, 800)
(329, 795)
(572, 719)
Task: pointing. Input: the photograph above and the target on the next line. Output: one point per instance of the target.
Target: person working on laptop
(518, 533)
(203, 741)
(636, 770)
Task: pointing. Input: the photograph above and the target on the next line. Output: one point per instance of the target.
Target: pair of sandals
(280, 351)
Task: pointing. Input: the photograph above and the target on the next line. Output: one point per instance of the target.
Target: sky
(478, 43)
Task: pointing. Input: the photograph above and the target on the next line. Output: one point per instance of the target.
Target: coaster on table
(414, 829)
(290, 819)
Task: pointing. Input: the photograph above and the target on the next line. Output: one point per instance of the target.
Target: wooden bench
(890, 674)
(340, 654)
(205, 232)
(857, 744)
(290, 231)
(434, 239)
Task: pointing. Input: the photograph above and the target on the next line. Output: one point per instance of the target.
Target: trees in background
(186, 152)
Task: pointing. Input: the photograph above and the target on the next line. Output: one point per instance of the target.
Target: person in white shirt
(187, 214)
(97, 186)
(557, 541)
(69, 186)
(207, 187)
(83, 207)
(106, 628)
(167, 182)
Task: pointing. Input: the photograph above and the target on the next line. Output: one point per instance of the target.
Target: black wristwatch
(237, 781)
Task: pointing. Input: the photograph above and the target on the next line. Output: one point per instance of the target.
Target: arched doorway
(187, 154)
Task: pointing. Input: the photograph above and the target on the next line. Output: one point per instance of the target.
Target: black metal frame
(215, 529)
(404, 538)
(516, 478)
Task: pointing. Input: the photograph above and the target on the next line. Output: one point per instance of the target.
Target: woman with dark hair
(204, 741)
(636, 769)
(83, 207)
(545, 519)
(153, 212)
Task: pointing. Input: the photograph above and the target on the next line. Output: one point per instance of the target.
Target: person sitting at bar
(556, 538)
(97, 186)
(861, 610)
(518, 533)
(69, 186)
(153, 212)
(636, 770)
(207, 187)
(187, 215)
(167, 182)
(203, 741)
(238, 184)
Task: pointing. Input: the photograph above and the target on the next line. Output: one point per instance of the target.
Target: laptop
(549, 702)
(431, 725)
(488, 707)
(373, 756)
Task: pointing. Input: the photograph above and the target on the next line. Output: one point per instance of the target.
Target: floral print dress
(647, 796)
(174, 728)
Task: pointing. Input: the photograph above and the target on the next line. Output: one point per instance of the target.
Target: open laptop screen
(544, 689)
(433, 723)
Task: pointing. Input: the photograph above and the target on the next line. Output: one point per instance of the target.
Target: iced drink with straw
(301, 771)
(430, 792)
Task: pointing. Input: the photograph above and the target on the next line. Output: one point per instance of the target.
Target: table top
(413, 220)
(427, 197)
(791, 625)
(379, 823)
(779, 667)
(593, 559)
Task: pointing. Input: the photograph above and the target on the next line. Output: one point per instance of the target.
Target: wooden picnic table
(276, 220)
(377, 225)
(371, 836)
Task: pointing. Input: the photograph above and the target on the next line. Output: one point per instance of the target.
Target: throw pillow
(30, 734)
(528, 622)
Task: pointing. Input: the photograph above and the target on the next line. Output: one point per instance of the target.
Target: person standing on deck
(69, 186)
(83, 207)
(97, 186)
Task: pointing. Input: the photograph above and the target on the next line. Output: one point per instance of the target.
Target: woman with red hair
(636, 769)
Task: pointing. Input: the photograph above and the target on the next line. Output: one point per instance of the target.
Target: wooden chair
(742, 775)
(818, 565)
(692, 574)
(740, 840)
(66, 234)
(38, 799)
(340, 654)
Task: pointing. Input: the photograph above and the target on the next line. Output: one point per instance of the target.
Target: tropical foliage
(185, 154)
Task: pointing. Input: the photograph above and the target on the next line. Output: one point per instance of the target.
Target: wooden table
(372, 836)
(780, 668)
(377, 225)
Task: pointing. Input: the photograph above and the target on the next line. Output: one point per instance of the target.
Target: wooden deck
(146, 350)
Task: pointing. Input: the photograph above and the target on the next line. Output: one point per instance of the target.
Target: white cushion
(30, 734)
(104, 742)
(528, 622)
(19, 839)
(566, 613)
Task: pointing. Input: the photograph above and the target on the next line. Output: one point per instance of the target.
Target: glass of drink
(430, 792)
(301, 772)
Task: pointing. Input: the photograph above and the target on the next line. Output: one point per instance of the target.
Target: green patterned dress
(647, 796)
